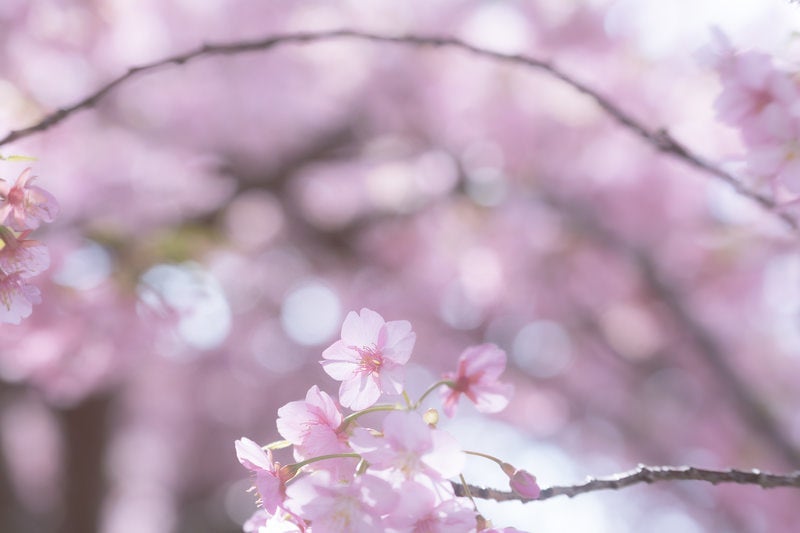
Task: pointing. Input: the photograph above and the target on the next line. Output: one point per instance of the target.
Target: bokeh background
(220, 218)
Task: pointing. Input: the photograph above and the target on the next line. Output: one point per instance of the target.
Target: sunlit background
(220, 218)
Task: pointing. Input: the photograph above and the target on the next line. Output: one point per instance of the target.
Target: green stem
(485, 456)
(375, 408)
(301, 464)
(432, 388)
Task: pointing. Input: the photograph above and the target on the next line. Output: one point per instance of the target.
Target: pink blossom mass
(451, 266)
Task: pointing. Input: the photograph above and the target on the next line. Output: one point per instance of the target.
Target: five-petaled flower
(26, 205)
(270, 477)
(369, 358)
(479, 367)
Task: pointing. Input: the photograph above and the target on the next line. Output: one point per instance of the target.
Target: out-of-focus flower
(17, 297)
(280, 522)
(420, 510)
(270, 477)
(369, 358)
(410, 448)
(479, 367)
(26, 205)
(778, 157)
(332, 507)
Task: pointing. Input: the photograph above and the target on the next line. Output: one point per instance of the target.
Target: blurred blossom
(487, 186)
(311, 313)
(457, 310)
(276, 355)
(391, 186)
(317, 185)
(481, 275)
(193, 297)
(631, 331)
(32, 443)
(85, 267)
(499, 27)
(435, 173)
(542, 349)
(253, 219)
(781, 297)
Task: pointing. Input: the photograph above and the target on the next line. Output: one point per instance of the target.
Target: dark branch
(643, 474)
(659, 139)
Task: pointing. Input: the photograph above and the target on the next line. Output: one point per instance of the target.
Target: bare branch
(659, 138)
(643, 474)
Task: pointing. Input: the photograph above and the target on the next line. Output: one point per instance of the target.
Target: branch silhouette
(660, 139)
(643, 474)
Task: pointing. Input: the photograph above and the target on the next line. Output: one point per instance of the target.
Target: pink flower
(479, 367)
(410, 448)
(357, 507)
(26, 205)
(420, 511)
(778, 158)
(369, 358)
(24, 256)
(313, 427)
(16, 298)
(270, 477)
(263, 522)
(524, 484)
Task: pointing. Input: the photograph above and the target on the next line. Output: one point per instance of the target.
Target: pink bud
(524, 484)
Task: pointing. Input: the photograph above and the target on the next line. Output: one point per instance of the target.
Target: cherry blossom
(263, 522)
(26, 205)
(313, 426)
(479, 367)
(17, 297)
(357, 507)
(410, 448)
(524, 484)
(420, 510)
(369, 358)
(270, 478)
(24, 256)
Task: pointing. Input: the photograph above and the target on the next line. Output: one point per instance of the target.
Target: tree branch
(643, 474)
(660, 139)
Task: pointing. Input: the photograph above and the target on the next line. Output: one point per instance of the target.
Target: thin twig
(659, 138)
(644, 474)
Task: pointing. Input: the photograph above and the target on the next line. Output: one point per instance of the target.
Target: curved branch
(644, 474)
(660, 139)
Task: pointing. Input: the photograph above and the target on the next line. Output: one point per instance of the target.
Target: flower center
(371, 358)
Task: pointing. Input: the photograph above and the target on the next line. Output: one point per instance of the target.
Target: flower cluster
(393, 478)
(23, 207)
(761, 100)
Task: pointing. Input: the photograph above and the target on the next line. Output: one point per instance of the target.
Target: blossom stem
(375, 408)
(301, 464)
(432, 388)
(486, 456)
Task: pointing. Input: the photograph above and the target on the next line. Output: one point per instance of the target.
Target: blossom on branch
(369, 358)
(26, 257)
(17, 297)
(313, 426)
(479, 368)
(270, 477)
(26, 206)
